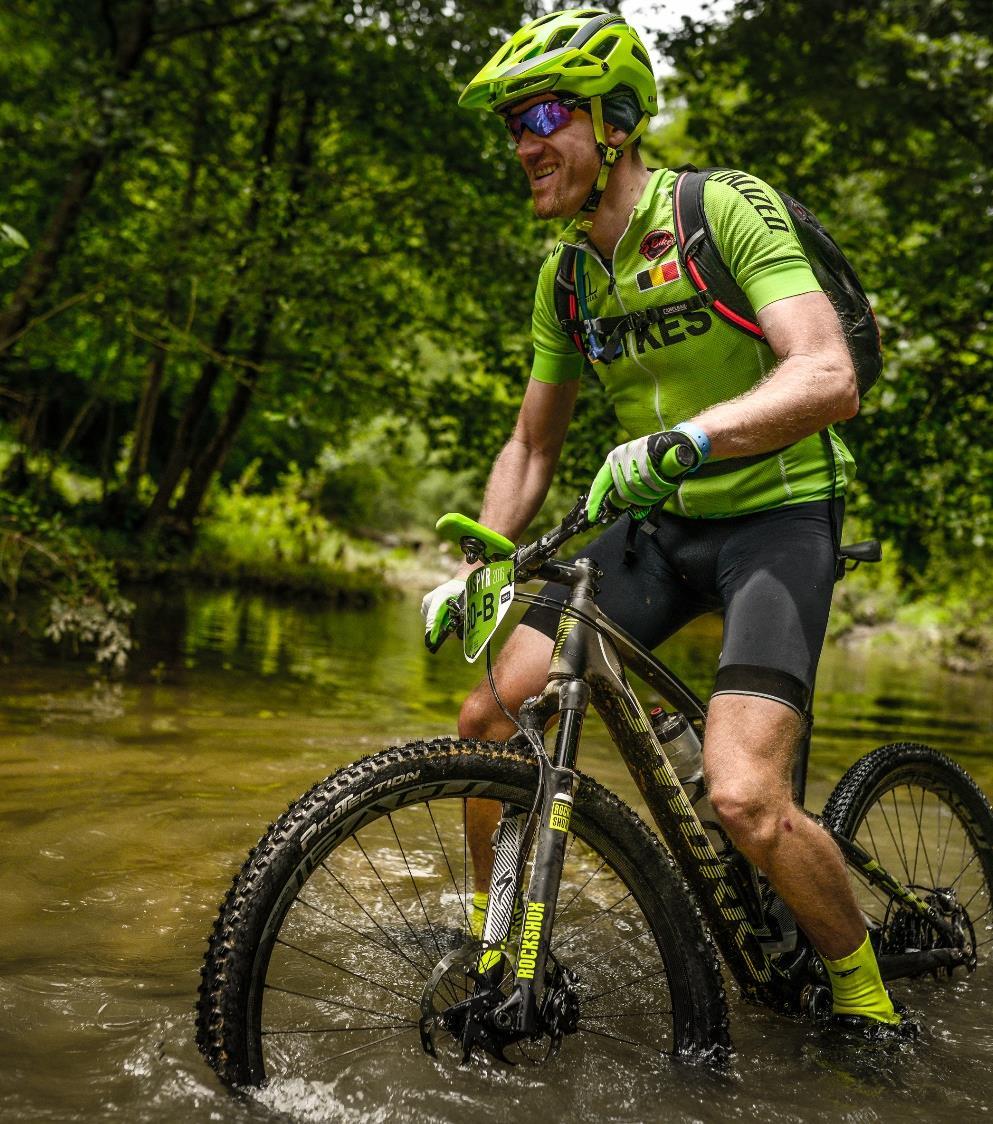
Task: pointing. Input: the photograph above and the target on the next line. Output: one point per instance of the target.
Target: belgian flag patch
(660, 274)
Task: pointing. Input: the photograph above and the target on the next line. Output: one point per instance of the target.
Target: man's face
(561, 168)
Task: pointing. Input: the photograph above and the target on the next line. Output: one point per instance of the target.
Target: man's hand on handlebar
(641, 473)
(638, 474)
(436, 611)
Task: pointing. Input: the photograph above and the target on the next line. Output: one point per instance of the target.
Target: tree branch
(216, 25)
(66, 304)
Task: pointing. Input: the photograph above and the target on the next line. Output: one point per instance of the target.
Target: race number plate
(489, 592)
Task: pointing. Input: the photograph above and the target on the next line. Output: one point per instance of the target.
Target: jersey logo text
(656, 243)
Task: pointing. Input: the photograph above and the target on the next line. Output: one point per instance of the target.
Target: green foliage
(85, 607)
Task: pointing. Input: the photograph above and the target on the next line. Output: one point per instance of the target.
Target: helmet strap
(608, 158)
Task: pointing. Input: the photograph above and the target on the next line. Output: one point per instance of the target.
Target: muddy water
(126, 808)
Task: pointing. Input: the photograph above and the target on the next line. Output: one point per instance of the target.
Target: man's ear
(615, 136)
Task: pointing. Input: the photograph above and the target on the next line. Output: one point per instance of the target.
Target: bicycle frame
(588, 664)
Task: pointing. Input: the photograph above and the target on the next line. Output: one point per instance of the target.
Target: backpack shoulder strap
(566, 298)
(702, 259)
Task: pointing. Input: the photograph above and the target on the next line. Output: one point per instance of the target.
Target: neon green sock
(477, 914)
(857, 987)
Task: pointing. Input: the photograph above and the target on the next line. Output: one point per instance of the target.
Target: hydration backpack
(600, 339)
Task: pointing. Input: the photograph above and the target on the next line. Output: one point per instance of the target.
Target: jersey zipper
(590, 249)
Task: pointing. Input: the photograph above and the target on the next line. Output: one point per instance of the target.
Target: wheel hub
(491, 1015)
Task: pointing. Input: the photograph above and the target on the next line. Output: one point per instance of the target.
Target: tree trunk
(152, 390)
(214, 456)
(147, 408)
(42, 264)
(183, 449)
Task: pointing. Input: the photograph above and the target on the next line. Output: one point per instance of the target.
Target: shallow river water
(126, 808)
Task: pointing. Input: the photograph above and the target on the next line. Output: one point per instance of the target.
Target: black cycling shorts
(771, 573)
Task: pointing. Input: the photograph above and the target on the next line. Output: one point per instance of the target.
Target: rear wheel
(923, 819)
(332, 932)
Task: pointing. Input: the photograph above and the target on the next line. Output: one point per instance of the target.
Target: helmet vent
(505, 54)
(640, 55)
(560, 38)
(604, 49)
(545, 19)
(526, 84)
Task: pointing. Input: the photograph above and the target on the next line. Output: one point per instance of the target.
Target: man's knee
(752, 816)
(520, 671)
(480, 717)
(748, 756)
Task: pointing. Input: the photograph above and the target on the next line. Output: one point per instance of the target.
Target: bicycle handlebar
(529, 559)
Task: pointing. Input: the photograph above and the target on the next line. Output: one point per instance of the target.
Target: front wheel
(339, 918)
(923, 819)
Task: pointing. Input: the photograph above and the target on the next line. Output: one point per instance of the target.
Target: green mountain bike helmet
(583, 52)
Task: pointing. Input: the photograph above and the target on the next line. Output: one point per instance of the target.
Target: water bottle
(682, 748)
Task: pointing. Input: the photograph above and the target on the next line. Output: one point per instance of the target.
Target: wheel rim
(924, 835)
(348, 966)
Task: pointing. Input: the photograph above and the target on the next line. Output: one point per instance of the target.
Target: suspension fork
(519, 1013)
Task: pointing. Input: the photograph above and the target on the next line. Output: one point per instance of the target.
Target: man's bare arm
(812, 386)
(522, 473)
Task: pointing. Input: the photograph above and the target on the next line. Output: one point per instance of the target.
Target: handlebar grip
(675, 461)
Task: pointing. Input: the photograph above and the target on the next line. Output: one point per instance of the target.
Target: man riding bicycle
(750, 529)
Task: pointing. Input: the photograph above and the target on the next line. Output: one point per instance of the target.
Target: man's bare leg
(521, 670)
(748, 760)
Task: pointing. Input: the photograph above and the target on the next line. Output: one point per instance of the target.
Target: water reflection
(126, 809)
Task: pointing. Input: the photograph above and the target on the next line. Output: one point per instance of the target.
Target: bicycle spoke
(565, 909)
(921, 840)
(620, 944)
(952, 821)
(413, 883)
(867, 824)
(368, 1045)
(627, 1014)
(347, 971)
(628, 983)
(334, 1029)
(899, 827)
(329, 1002)
(451, 873)
(898, 847)
(578, 932)
(975, 855)
(880, 901)
(402, 915)
(619, 1038)
(395, 951)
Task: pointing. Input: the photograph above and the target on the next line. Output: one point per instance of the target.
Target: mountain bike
(349, 933)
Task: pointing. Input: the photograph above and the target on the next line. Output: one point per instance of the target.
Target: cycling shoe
(872, 1030)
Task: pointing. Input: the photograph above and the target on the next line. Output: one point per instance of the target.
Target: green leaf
(10, 234)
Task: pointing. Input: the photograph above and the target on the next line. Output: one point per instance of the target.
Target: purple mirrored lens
(541, 119)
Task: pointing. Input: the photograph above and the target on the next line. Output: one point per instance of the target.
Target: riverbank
(349, 570)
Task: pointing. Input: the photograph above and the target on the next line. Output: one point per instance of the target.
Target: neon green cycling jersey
(671, 371)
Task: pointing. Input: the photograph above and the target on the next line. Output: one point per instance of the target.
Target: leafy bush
(41, 552)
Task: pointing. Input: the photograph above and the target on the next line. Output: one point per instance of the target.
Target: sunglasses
(543, 119)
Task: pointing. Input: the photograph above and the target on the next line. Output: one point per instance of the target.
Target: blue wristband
(697, 436)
